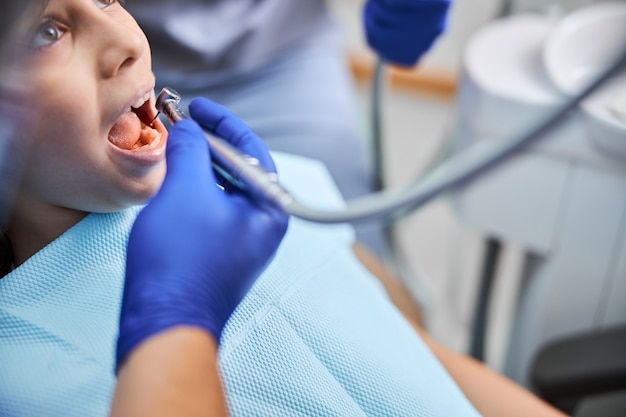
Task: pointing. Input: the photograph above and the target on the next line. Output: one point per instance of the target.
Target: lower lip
(146, 155)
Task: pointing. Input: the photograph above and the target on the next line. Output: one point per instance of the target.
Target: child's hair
(6, 255)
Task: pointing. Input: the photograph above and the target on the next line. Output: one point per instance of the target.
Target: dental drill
(240, 170)
(245, 172)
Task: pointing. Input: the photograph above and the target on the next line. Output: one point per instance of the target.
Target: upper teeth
(140, 102)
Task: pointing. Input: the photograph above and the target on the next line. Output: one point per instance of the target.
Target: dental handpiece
(240, 170)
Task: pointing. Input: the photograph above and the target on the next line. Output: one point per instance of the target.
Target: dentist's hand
(401, 31)
(195, 250)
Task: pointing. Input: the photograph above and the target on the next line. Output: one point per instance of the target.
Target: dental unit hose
(245, 173)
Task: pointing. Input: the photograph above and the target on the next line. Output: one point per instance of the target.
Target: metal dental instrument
(240, 170)
(153, 120)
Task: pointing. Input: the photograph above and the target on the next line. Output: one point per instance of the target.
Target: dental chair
(564, 201)
(584, 374)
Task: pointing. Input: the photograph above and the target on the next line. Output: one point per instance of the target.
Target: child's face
(87, 63)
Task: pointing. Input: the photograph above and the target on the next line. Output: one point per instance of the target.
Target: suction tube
(455, 172)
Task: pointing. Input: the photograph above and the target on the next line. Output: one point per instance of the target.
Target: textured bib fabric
(58, 322)
(316, 335)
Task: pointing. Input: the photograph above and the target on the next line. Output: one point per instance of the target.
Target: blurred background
(445, 250)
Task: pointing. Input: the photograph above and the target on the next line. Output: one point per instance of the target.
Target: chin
(138, 193)
(149, 188)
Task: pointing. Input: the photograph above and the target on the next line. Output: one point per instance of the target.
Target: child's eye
(105, 3)
(46, 34)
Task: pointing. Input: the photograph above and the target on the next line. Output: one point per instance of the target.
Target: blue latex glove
(195, 250)
(401, 31)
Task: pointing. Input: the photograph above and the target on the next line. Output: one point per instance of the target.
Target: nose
(122, 43)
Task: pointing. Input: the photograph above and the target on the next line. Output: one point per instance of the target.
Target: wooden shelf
(424, 80)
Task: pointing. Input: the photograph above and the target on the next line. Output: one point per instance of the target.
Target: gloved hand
(195, 250)
(401, 31)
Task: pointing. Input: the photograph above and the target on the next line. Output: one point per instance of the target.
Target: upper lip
(143, 92)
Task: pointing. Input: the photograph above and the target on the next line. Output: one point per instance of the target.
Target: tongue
(126, 131)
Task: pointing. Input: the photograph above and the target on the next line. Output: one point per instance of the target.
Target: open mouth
(134, 129)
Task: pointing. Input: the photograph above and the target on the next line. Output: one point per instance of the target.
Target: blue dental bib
(316, 335)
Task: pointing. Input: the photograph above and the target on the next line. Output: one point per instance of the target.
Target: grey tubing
(457, 171)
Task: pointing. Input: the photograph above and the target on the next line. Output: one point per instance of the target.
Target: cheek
(52, 161)
(63, 148)
(66, 114)
(63, 135)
